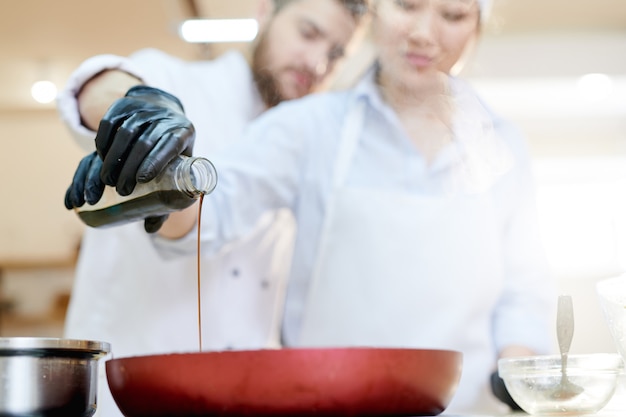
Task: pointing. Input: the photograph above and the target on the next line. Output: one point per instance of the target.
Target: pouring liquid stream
(199, 275)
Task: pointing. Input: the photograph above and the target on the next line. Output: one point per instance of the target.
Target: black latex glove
(139, 135)
(86, 184)
(154, 223)
(499, 390)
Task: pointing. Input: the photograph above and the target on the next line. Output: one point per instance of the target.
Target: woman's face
(421, 37)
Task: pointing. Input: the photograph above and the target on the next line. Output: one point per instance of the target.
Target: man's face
(299, 47)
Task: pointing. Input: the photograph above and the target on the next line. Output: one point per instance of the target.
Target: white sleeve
(67, 104)
(259, 174)
(254, 177)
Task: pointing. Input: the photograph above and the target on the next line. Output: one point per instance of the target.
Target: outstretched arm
(99, 93)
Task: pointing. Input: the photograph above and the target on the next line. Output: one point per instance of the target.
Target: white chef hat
(485, 9)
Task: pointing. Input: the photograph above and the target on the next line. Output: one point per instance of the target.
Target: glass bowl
(534, 382)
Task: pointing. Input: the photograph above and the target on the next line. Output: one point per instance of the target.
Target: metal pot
(48, 377)
(286, 382)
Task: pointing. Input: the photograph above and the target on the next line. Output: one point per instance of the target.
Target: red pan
(286, 382)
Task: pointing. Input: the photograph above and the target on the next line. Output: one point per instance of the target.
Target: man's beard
(263, 76)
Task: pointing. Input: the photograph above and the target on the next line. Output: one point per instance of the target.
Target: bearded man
(124, 292)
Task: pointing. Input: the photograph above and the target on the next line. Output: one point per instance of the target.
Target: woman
(413, 202)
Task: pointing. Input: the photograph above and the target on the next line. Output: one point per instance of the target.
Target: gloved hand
(499, 390)
(139, 135)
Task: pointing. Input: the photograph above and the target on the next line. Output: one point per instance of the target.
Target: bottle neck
(196, 176)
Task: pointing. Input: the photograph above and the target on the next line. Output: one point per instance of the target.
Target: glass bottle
(178, 186)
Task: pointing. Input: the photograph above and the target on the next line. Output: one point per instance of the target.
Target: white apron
(396, 269)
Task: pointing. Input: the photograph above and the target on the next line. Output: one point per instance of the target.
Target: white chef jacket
(125, 293)
(287, 161)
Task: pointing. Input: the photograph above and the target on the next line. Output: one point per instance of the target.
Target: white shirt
(287, 160)
(125, 293)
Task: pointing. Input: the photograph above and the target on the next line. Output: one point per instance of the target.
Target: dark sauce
(152, 204)
(199, 275)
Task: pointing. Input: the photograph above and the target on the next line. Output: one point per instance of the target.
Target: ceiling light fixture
(218, 30)
(594, 87)
(44, 91)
